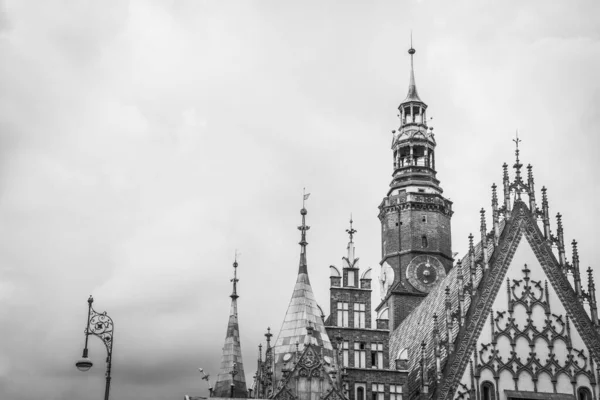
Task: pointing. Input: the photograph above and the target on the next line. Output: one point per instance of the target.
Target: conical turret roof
(412, 95)
(231, 381)
(303, 323)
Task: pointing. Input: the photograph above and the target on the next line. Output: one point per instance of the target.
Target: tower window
(377, 391)
(345, 353)
(395, 392)
(424, 243)
(360, 355)
(359, 315)
(377, 355)
(342, 314)
(423, 218)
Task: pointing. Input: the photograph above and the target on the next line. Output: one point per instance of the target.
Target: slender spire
(412, 95)
(231, 381)
(576, 274)
(495, 216)
(506, 184)
(561, 241)
(484, 243)
(530, 185)
(472, 265)
(235, 280)
(545, 213)
(517, 166)
(303, 243)
(303, 315)
(592, 295)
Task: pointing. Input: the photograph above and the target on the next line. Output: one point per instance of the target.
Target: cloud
(142, 143)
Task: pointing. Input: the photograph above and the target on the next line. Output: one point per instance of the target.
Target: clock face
(386, 278)
(423, 272)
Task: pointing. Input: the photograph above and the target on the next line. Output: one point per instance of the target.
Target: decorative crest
(351, 231)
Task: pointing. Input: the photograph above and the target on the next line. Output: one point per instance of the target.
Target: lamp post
(100, 325)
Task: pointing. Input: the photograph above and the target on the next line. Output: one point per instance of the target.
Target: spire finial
(303, 228)
(518, 164)
(351, 231)
(235, 280)
(412, 87)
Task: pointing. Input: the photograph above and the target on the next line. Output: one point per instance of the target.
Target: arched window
(424, 243)
(584, 393)
(360, 393)
(487, 391)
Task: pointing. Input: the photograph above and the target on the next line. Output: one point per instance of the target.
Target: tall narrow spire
(412, 95)
(303, 269)
(303, 314)
(231, 381)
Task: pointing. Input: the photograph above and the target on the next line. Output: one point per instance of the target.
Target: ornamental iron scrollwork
(101, 325)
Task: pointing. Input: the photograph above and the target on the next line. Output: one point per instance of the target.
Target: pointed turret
(303, 315)
(412, 95)
(231, 381)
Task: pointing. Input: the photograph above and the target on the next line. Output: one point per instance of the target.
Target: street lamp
(100, 325)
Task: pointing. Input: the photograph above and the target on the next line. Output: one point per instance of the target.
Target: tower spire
(235, 280)
(303, 269)
(231, 381)
(412, 95)
(303, 313)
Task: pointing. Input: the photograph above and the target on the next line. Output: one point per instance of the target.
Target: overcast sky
(143, 142)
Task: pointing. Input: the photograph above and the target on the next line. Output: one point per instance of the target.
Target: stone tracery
(526, 298)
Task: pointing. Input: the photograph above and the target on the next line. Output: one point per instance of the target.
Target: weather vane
(304, 196)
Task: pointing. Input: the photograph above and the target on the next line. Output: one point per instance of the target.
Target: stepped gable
(303, 314)
(419, 324)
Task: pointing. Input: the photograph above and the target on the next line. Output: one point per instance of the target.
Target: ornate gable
(527, 330)
(308, 375)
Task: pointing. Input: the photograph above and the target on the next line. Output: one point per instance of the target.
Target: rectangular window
(342, 314)
(351, 278)
(377, 355)
(359, 315)
(345, 353)
(360, 355)
(377, 391)
(395, 392)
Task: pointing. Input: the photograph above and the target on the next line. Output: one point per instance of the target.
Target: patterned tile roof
(302, 314)
(419, 325)
(231, 372)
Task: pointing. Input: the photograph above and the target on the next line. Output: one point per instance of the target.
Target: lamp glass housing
(84, 364)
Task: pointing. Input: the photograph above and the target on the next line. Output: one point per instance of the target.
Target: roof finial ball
(411, 51)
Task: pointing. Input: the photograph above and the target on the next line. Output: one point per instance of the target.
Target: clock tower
(416, 251)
